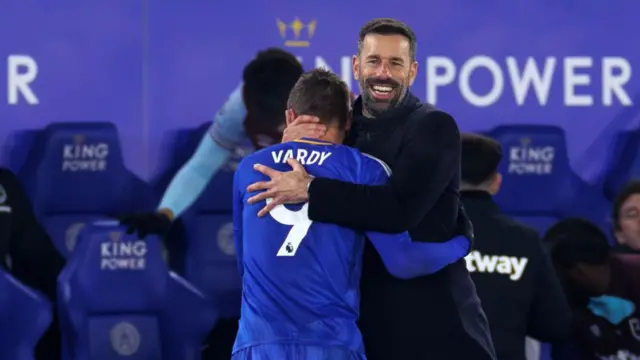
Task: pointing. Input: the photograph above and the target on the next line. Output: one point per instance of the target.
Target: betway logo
(505, 265)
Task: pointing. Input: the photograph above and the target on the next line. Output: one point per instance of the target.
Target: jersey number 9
(299, 222)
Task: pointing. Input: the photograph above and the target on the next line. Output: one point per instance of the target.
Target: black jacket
(519, 289)
(432, 317)
(27, 252)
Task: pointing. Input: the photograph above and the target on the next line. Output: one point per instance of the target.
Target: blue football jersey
(300, 279)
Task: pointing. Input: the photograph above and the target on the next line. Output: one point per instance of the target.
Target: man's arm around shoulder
(429, 158)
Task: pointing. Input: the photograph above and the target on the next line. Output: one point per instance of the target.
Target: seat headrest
(112, 267)
(535, 168)
(78, 168)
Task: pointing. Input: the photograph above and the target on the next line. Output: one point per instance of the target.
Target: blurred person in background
(255, 110)
(27, 253)
(516, 283)
(626, 218)
(602, 289)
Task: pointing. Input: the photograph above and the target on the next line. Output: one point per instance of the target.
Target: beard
(375, 103)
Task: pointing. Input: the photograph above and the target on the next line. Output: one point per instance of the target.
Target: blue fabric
(406, 259)
(295, 352)
(194, 176)
(25, 316)
(227, 128)
(612, 308)
(300, 279)
(161, 315)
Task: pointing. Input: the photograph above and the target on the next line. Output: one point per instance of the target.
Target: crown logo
(115, 236)
(296, 27)
(78, 139)
(525, 141)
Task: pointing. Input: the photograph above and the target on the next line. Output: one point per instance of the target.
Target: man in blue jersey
(255, 110)
(300, 278)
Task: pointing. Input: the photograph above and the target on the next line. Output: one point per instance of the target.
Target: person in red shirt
(602, 290)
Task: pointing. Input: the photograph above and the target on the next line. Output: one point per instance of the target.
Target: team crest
(125, 339)
(225, 239)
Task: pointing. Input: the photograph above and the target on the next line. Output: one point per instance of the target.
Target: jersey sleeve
(227, 128)
(238, 205)
(402, 257)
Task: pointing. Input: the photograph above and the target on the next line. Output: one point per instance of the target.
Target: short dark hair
(480, 158)
(321, 93)
(268, 79)
(630, 188)
(573, 240)
(388, 26)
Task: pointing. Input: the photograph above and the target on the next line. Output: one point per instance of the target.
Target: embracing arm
(427, 162)
(406, 259)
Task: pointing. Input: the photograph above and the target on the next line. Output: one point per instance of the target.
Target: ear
(290, 116)
(413, 72)
(355, 67)
(349, 122)
(496, 184)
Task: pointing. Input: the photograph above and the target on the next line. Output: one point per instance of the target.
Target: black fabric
(149, 223)
(532, 304)
(34, 261)
(433, 317)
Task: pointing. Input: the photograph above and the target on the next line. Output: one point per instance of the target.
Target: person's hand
(151, 223)
(303, 126)
(283, 188)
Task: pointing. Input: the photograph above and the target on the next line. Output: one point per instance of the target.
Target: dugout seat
(25, 316)
(120, 301)
(539, 186)
(207, 233)
(75, 174)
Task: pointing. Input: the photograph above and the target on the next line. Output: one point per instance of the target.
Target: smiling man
(430, 317)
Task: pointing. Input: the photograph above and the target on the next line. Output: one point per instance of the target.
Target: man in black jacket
(433, 317)
(519, 289)
(26, 251)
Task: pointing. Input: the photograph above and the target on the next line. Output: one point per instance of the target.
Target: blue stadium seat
(539, 186)
(75, 174)
(207, 234)
(537, 182)
(121, 301)
(25, 316)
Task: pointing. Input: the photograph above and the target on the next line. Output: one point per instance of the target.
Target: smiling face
(385, 69)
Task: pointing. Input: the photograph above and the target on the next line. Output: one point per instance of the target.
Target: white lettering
(613, 83)
(85, 157)
(531, 160)
(465, 81)
(435, 78)
(301, 155)
(511, 266)
(572, 80)
(119, 255)
(530, 76)
(22, 70)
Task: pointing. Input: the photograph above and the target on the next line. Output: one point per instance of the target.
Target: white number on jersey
(299, 222)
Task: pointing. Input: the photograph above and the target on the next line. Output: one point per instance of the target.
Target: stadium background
(159, 70)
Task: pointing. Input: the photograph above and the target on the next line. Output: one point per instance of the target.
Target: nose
(384, 70)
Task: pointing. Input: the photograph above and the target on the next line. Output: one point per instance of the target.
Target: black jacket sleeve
(550, 319)
(429, 157)
(34, 259)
